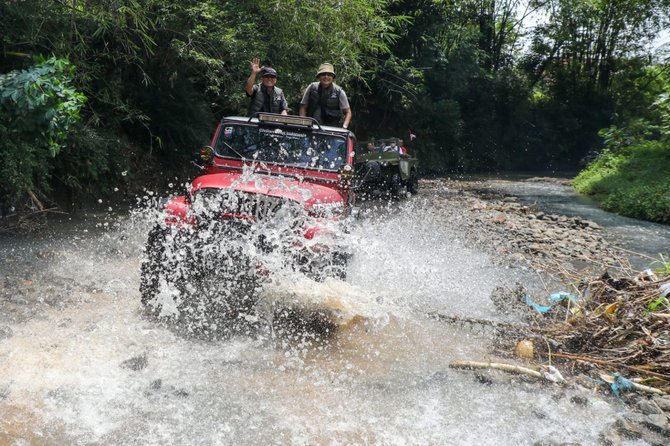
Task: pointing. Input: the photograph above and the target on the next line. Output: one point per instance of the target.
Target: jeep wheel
(395, 185)
(153, 269)
(413, 183)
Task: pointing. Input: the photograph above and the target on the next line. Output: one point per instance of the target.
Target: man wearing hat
(265, 96)
(325, 101)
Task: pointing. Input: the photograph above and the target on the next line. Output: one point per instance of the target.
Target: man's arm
(347, 117)
(251, 80)
(346, 109)
(284, 105)
(304, 101)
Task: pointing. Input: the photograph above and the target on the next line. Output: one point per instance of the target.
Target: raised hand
(255, 65)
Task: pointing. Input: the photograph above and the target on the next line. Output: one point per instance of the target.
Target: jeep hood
(306, 193)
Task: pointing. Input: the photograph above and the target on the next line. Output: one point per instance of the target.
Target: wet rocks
(524, 232)
(5, 332)
(136, 363)
(650, 429)
(662, 402)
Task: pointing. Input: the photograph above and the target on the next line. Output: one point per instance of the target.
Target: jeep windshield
(307, 149)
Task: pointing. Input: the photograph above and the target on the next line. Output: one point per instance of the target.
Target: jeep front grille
(226, 204)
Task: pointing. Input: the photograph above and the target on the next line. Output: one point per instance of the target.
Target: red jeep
(273, 196)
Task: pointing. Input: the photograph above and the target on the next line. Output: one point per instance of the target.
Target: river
(81, 364)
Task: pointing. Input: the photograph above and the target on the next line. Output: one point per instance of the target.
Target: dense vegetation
(630, 177)
(98, 94)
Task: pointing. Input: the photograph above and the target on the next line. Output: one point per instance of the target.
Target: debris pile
(617, 325)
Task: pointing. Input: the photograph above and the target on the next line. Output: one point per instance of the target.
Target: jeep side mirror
(206, 154)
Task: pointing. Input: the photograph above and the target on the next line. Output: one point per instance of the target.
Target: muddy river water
(81, 364)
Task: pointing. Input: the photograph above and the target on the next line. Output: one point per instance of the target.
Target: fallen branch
(468, 320)
(641, 387)
(551, 374)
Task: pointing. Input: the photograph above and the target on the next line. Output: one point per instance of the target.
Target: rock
(628, 429)
(499, 218)
(648, 407)
(6, 332)
(4, 392)
(609, 438)
(658, 423)
(156, 384)
(593, 225)
(135, 363)
(663, 402)
(180, 393)
(580, 400)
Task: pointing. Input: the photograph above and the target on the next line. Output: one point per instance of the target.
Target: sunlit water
(82, 365)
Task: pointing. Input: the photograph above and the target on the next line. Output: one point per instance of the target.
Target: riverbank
(600, 326)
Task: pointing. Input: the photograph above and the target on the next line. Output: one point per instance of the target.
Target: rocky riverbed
(563, 250)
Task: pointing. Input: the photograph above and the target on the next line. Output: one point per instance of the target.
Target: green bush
(632, 181)
(38, 106)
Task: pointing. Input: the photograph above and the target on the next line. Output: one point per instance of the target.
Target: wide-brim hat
(268, 71)
(326, 68)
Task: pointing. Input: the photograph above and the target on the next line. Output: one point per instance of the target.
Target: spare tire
(372, 171)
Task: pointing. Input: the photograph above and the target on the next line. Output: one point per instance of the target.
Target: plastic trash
(665, 289)
(557, 297)
(621, 384)
(541, 308)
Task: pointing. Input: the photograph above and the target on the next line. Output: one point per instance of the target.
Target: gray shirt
(344, 102)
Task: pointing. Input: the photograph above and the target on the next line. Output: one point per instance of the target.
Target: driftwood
(549, 373)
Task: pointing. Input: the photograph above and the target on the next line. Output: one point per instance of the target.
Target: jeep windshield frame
(305, 148)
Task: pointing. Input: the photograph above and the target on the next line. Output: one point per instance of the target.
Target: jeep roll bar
(273, 118)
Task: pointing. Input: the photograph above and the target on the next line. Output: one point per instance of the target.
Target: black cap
(268, 71)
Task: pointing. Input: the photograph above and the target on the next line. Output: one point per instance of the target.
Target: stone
(135, 363)
(663, 402)
(593, 225)
(609, 438)
(648, 407)
(6, 332)
(657, 423)
(579, 400)
(628, 429)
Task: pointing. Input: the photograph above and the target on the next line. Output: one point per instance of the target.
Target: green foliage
(38, 106)
(661, 304)
(632, 181)
(157, 76)
(41, 103)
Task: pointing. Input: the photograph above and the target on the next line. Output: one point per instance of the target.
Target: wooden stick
(641, 387)
(496, 324)
(495, 365)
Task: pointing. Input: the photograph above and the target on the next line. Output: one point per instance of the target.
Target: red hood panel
(301, 191)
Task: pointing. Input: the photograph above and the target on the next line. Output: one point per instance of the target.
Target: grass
(634, 182)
